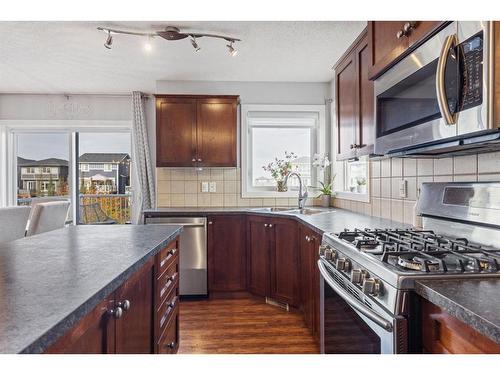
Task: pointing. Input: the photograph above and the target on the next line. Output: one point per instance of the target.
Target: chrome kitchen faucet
(302, 194)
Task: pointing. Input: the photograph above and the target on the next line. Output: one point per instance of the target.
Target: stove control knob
(340, 264)
(358, 276)
(322, 250)
(330, 254)
(347, 266)
(372, 286)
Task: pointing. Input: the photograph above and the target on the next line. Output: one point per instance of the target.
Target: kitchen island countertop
(50, 281)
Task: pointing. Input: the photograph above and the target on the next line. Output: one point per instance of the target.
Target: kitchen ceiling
(69, 57)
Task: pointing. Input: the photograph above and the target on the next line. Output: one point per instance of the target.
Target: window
(46, 170)
(84, 167)
(108, 167)
(270, 132)
(351, 181)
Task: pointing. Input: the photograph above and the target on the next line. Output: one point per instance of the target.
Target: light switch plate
(213, 186)
(204, 187)
(403, 189)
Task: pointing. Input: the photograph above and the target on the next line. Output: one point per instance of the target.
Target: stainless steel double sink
(302, 211)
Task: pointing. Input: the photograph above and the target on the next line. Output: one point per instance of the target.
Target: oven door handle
(449, 118)
(355, 304)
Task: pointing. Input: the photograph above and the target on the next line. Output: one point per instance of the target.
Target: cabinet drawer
(167, 256)
(169, 341)
(168, 309)
(166, 282)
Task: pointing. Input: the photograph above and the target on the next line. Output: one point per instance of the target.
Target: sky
(43, 146)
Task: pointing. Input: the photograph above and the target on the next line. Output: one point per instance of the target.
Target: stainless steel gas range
(368, 274)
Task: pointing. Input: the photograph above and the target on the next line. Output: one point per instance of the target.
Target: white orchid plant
(322, 162)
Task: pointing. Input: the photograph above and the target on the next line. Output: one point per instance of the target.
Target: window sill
(353, 196)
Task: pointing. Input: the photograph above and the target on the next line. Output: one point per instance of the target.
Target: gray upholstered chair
(13, 223)
(47, 216)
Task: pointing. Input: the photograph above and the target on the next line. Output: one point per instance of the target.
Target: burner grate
(423, 250)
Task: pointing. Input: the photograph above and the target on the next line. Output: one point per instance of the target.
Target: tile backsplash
(386, 176)
(181, 187)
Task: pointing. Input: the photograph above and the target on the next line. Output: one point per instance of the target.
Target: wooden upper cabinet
(354, 101)
(175, 132)
(216, 134)
(196, 131)
(226, 253)
(390, 42)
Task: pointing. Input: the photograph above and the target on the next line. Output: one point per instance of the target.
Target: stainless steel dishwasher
(192, 252)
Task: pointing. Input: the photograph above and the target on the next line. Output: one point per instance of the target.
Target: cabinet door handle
(124, 305)
(116, 312)
(193, 159)
(270, 225)
(210, 223)
(265, 225)
(171, 345)
(308, 239)
(199, 159)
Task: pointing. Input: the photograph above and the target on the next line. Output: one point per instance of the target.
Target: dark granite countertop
(50, 281)
(330, 220)
(473, 301)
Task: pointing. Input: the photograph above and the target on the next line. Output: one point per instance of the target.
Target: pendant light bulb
(232, 51)
(109, 40)
(195, 44)
(148, 46)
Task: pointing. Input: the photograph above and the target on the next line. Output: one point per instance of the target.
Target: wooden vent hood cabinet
(196, 130)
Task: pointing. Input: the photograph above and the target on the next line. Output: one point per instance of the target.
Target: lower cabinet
(273, 258)
(141, 316)
(226, 254)
(443, 333)
(309, 279)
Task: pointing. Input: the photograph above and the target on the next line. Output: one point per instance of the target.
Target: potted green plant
(280, 168)
(361, 188)
(325, 193)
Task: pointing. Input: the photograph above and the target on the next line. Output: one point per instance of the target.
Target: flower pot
(325, 200)
(281, 186)
(361, 189)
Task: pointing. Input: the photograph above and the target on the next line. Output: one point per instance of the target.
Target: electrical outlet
(213, 187)
(204, 187)
(403, 188)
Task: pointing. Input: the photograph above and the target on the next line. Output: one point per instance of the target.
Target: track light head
(232, 51)
(109, 40)
(195, 44)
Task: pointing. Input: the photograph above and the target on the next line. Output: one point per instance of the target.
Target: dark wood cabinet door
(134, 330)
(284, 261)
(386, 46)
(258, 255)
(421, 30)
(175, 132)
(366, 127)
(216, 132)
(227, 253)
(346, 105)
(442, 333)
(93, 334)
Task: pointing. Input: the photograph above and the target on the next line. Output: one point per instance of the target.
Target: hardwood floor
(246, 325)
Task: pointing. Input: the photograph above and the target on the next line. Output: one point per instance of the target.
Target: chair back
(47, 216)
(13, 222)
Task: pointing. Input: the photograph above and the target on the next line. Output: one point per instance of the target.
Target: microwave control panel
(472, 71)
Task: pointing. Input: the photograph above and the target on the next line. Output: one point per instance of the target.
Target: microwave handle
(449, 118)
(355, 304)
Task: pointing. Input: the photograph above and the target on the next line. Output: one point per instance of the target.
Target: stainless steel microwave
(436, 101)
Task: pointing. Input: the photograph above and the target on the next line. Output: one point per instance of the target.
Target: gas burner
(416, 263)
(365, 243)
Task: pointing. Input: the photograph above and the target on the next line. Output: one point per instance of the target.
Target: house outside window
(84, 167)
(272, 131)
(108, 167)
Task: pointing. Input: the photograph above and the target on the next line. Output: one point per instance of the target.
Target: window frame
(318, 145)
(8, 150)
(340, 188)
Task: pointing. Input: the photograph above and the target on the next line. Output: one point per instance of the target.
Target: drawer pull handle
(171, 345)
(125, 304)
(170, 254)
(170, 280)
(116, 312)
(171, 306)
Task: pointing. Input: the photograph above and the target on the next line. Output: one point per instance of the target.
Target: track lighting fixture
(194, 44)
(232, 51)
(171, 33)
(109, 40)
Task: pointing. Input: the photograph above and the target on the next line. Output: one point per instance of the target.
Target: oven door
(349, 326)
(427, 98)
